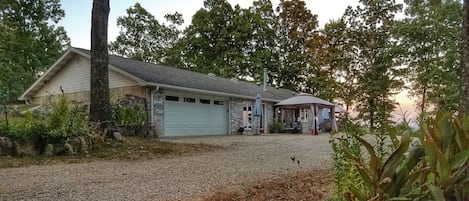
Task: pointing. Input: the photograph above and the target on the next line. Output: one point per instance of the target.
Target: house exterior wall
(74, 80)
(269, 116)
(84, 96)
(235, 115)
(157, 111)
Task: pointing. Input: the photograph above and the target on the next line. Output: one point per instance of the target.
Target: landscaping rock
(151, 132)
(68, 149)
(117, 136)
(49, 150)
(59, 149)
(25, 147)
(83, 144)
(79, 144)
(6, 146)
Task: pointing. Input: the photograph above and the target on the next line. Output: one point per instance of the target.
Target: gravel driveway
(246, 159)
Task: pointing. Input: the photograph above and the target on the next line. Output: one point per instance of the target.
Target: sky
(77, 21)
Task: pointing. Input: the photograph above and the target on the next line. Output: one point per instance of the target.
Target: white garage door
(192, 116)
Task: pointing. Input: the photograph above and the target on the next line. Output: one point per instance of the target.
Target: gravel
(246, 159)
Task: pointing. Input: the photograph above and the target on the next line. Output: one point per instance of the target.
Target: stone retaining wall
(34, 146)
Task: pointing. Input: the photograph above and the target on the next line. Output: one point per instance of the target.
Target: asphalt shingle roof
(160, 74)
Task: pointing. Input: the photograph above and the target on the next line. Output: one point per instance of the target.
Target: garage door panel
(190, 119)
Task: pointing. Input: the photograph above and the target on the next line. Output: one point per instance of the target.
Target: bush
(346, 173)
(129, 115)
(61, 123)
(64, 121)
(275, 127)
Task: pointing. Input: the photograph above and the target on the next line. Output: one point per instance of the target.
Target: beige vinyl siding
(75, 77)
(117, 94)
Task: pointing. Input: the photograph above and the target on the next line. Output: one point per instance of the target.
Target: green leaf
(405, 174)
(437, 193)
(399, 199)
(375, 161)
(357, 193)
(396, 157)
(459, 160)
(443, 168)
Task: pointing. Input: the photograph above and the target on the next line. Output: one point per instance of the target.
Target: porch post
(314, 130)
(316, 119)
(332, 116)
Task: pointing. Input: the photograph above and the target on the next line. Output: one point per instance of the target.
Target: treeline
(372, 52)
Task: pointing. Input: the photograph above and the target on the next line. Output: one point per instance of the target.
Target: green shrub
(62, 122)
(129, 115)
(275, 127)
(66, 121)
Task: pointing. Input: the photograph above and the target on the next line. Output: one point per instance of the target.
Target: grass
(132, 148)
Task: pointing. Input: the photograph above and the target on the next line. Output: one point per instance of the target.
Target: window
(189, 100)
(218, 102)
(303, 117)
(204, 101)
(247, 116)
(172, 98)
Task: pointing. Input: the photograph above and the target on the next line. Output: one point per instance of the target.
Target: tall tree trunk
(100, 110)
(464, 101)
(372, 117)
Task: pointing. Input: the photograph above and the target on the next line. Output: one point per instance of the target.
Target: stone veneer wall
(158, 111)
(269, 115)
(235, 115)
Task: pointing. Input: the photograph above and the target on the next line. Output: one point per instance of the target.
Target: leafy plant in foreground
(435, 168)
(445, 139)
(346, 173)
(383, 179)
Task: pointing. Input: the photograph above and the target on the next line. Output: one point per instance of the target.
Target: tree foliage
(143, 38)
(464, 84)
(370, 26)
(295, 27)
(429, 37)
(215, 38)
(331, 74)
(30, 41)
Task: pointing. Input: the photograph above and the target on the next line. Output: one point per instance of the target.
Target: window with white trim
(303, 117)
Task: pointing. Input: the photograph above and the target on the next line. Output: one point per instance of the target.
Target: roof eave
(207, 92)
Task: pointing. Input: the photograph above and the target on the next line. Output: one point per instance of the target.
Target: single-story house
(180, 102)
